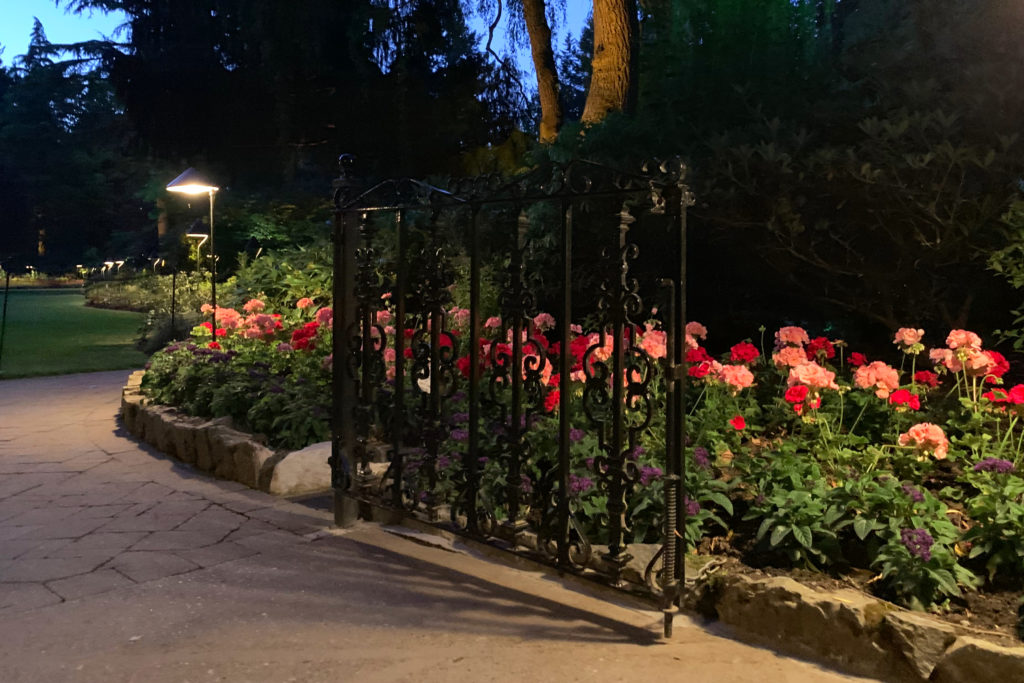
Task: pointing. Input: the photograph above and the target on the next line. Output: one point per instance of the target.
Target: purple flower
(459, 418)
(649, 474)
(576, 435)
(443, 461)
(526, 485)
(702, 457)
(460, 435)
(579, 485)
(483, 460)
(590, 463)
(918, 542)
(172, 348)
(997, 465)
(692, 506)
(913, 493)
(635, 453)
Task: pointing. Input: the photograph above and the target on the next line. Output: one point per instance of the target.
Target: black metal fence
(545, 413)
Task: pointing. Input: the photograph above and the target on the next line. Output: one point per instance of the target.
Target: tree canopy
(857, 159)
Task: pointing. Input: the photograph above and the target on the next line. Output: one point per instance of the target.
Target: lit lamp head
(191, 182)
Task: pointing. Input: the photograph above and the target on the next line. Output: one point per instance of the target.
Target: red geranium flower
(744, 352)
(551, 400)
(927, 378)
(857, 359)
(213, 345)
(698, 355)
(797, 393)
(738, 422)
(700, 370)
(820, 348)
(999, 367)
(903, 397)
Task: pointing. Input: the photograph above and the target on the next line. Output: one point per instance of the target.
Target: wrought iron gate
(486, 414)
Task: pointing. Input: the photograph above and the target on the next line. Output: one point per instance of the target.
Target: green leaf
(722, 500)
(831, 515)
(778, 533)
(946, 582)
(862, 527)
(803, 536)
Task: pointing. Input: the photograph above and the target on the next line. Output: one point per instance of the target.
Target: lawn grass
(52, 332)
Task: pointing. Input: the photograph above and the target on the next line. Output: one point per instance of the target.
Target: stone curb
(846, 629)
(853, 631)
(213, 446)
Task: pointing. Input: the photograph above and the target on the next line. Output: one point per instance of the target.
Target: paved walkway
(119, 564)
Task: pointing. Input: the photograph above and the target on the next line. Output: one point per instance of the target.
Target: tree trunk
(544, 64)
(613, 83)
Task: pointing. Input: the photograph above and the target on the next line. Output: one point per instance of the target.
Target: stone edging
(846, 629)
(853, 631)
(213, 446)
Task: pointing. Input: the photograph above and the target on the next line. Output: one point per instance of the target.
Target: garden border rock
(215, 447)
(846, 629)
(853, 631)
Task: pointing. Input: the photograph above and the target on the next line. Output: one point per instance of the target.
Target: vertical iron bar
(675, 442)
(617, 476)
(434, 404)
(684, 202)
(564, 368)
(515, 428)
(398, 421)
(670, 582)
(346, 510)
(339, 473)
(473, 450)
(367, 382)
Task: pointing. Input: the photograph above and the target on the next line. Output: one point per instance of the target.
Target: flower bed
(802, 452)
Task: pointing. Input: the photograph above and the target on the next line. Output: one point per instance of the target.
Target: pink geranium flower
(325, 316)
(883, 378)
(792, 335)
(789, 357)
(945, 358)
(738, 377)
(927, 439)
(909, 340)
(653, 342)
(304, 303)
(695, 331)
(812, 375)
(959, 339)
(544, 322)
(253, 306)
(976, 363)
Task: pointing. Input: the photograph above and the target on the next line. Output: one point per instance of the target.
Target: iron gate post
(346, 508)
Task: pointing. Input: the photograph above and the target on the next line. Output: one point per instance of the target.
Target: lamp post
(191, 182)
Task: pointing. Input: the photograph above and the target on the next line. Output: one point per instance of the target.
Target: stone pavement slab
(120, 564)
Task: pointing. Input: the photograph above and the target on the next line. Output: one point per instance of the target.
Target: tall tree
(535, 17)
(613, 83)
